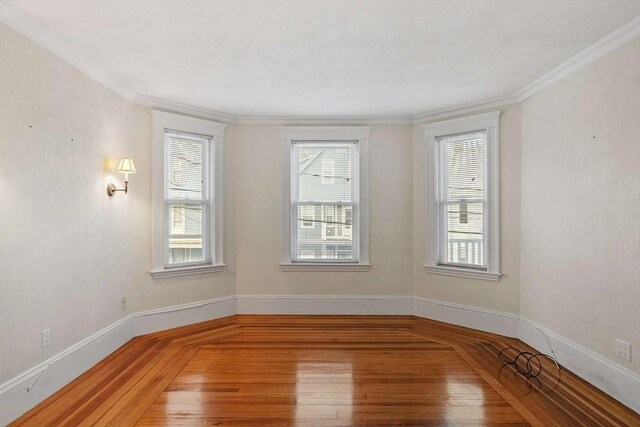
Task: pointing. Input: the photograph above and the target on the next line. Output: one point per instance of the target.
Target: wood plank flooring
(321, 371)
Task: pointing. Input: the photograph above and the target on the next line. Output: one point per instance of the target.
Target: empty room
(319, 213)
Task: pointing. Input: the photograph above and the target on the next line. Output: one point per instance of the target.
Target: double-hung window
(325, 207)
(187, 199)
(187, 195)
(463, 197)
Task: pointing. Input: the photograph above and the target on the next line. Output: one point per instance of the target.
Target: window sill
(187, 271)
(463, 272)
(324, 266)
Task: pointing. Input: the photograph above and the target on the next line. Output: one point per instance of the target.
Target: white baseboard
(482, 319)
(63, 368)
(67, 365)
(164, 318)
(615, 380)
(325, 304)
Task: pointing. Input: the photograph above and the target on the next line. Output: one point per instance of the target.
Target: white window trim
(490, 123)
(326, 134)
(166, 120)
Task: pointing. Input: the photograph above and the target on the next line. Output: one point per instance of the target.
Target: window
(187, 195)
(461, 202)
(331, 195)
(188, 199)
(462, 197)
(326, 198)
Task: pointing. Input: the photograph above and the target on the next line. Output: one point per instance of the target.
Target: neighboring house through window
(308, 216)
(187, 195)
(326, 198)
(463, 196)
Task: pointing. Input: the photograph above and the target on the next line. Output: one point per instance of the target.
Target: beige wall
(503, 295)
(258, 166)
(68, 253)
(67, 250)
(581, 205)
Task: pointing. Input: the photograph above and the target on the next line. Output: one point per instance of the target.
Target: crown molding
(187, 110)
(205, 113)
(600, 48)
(173, 120)
(490, 116)
(465, 109)
(324, 120)
(32, 31)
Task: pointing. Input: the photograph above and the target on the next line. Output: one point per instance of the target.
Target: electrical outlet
(46, 337)
(623, 350)
(123, 303)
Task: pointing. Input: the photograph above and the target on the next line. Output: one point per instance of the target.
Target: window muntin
(323, 187)
(188, 201)
(461, 201)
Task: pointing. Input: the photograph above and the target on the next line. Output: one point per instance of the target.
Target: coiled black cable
(529, 365)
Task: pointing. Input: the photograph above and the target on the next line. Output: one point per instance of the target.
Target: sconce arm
(111, 189)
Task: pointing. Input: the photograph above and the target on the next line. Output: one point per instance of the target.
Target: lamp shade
(125, 165)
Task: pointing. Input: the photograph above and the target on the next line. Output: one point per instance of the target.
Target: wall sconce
(126, 166)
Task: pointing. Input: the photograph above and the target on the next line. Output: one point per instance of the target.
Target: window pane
(462, 188)
(185, 174)
(324, 232)
(324, 173)
(465, 167)
(186, 233)
(464, 233)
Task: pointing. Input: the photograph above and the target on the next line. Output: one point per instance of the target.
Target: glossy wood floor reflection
(321, 371)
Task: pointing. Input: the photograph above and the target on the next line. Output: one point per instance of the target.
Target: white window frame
(327, 134)
(490, 124)
(163, 121)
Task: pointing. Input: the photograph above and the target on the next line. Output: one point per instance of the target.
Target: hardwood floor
(321, 371)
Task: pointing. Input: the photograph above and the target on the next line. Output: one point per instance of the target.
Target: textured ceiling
(330, 57)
